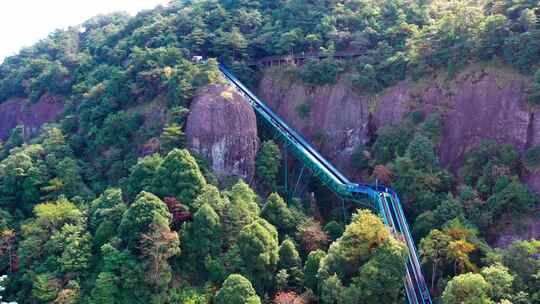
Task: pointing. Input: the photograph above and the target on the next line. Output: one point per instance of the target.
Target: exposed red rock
(476, 105)
(32, 115)
(335, 118)
(479, 103)
(222, 126)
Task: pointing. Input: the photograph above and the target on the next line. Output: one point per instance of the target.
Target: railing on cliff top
(300, 58)
(382, 199)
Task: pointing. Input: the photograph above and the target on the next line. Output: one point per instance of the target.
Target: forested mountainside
(111, 202)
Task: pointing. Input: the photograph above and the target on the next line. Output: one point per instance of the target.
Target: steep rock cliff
(17, 111)
(222, 127)
(480, 102)
(332, 117)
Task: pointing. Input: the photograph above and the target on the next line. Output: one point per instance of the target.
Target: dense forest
(85, 218)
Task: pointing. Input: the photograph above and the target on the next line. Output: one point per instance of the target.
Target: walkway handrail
(386, 200)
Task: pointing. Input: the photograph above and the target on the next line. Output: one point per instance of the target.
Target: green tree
(424, 223)
(521, 258)
(448, 209)
(531, 158)
(15, 139)
(179, 176)
(203, 236)
(469, 288)
(432, 127)
(75, 257)
(392, 141)
(100, 208)
(276, 212)
(288, 255)
(242, 210)
(210, 195)
(157, 246)
(289, 261)
(236, 290)
(380, 279)
(125, 276)
(365, 232)
(105, 289)
(142, 175)
(258, 250)
(311, 269)
(434, 250)
(332, 290)
(511, 195)
(534, 98)
(55, 214)
(172, 137)
(334, 229)
(422, 153)
(45, 288)
(140, 215)
(105, 213)
(500, 281)
(190, 295)
(267, 163)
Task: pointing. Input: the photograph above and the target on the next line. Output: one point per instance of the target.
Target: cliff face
(222, 127)
(32, 115)
(481, 102)
(334, 117)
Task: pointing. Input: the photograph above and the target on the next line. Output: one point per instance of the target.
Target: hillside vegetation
(85, 218)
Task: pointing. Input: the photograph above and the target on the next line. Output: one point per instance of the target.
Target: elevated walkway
(383, 199)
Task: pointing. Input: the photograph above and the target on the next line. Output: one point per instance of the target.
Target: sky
(24, 22)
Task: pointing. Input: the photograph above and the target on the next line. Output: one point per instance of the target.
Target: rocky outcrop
(481, 102)
(509, 230)
(222, 127)
(333, 117)
(17, 111)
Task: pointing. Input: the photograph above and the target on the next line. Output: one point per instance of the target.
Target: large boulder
(222, 127)
(17, 111)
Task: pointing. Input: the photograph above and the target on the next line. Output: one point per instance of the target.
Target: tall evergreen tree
(179, 176)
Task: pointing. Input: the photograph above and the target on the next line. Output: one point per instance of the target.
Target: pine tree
(277, 213)
(241, 211)
(172, 137)
(288, 255)
(142, 175)
(311, 268)
(267, 163)
(179, 176)
(45, 287)
(203, 235)
(137, 220)
(105, 289)
(236, 290)
(258, 250)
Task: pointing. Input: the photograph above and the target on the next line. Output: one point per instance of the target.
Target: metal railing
(384, 199)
